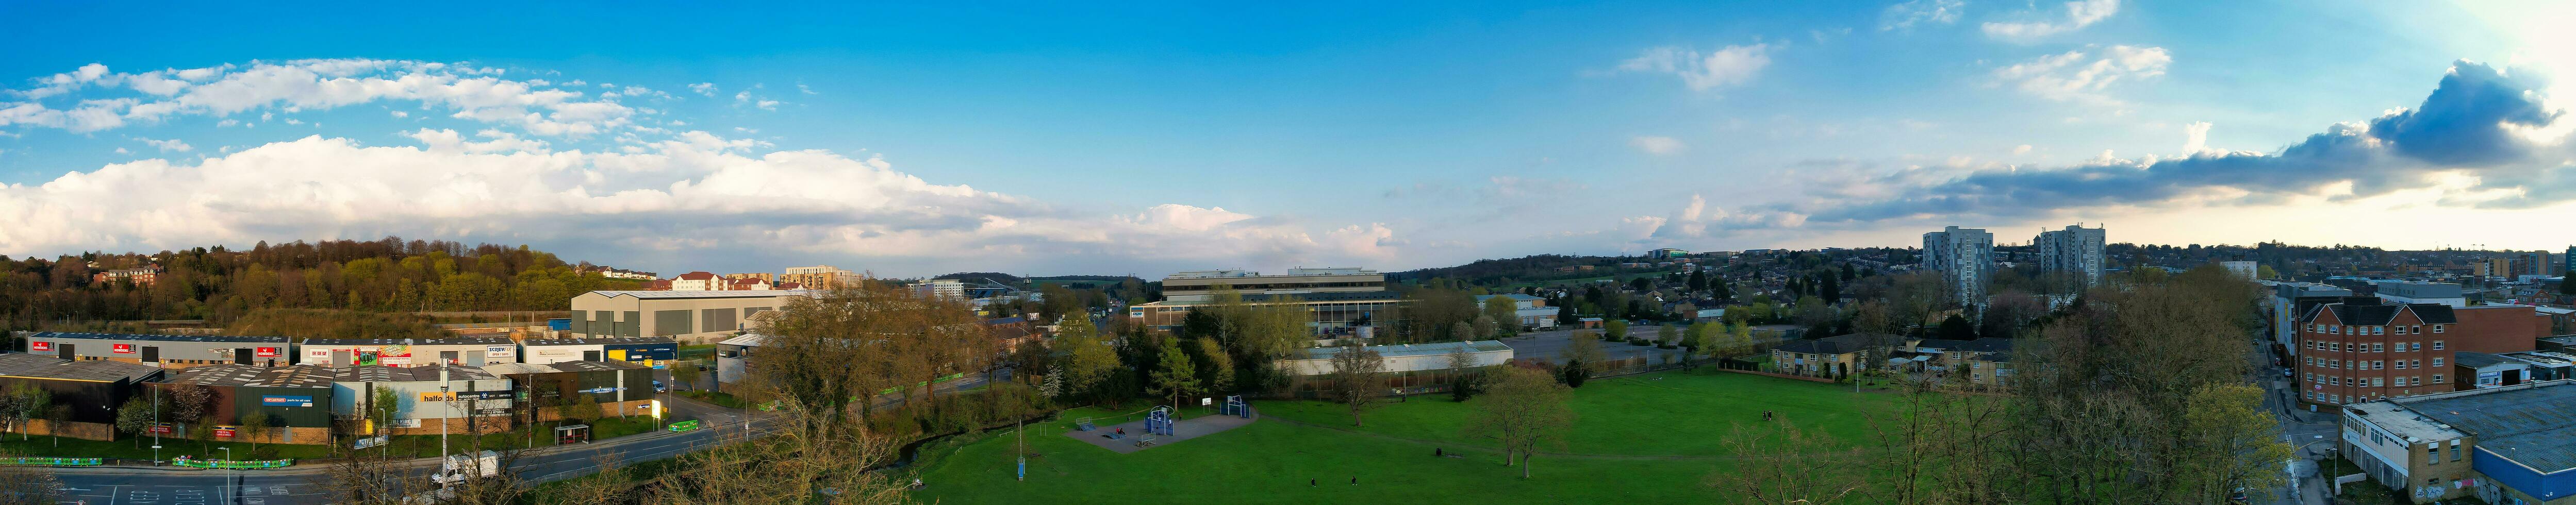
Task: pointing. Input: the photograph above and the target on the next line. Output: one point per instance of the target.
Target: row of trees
(221, 285)
(2136, 395)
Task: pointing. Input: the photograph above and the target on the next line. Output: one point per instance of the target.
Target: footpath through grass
(1652, 440)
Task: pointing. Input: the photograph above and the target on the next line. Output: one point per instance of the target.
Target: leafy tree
(134, 418)
(2227, 422)
(1505, 314)
(1522, 411)
(26, 403)
(1088, 358)
(1215, 366)
(1583, 349)
(1641, 284)
(1174, 377)
(1666, 335)
(1575, 373)
(1698, 281)
(1614, 330)
(1462, 376)
(1359, 379)
(253, 427)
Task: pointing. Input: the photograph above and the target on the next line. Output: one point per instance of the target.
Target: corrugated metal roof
(293, 376)
(2530, 425)
(158, 338)
(49, 367)
(706, 294)
(1396, 350)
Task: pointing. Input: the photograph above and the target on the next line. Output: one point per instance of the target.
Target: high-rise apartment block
(1965, 258)
(2075, 251)
(821, 277)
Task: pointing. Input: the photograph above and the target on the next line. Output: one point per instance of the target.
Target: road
(2310, 434)
(311, 484)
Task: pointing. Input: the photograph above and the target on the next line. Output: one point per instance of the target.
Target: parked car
(659, 388)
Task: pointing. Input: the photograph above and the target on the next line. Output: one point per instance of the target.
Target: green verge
(1653, 438)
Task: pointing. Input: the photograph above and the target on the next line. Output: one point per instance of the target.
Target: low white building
(1402, 358)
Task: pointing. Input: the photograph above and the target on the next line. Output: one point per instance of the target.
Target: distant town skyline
(913, 141)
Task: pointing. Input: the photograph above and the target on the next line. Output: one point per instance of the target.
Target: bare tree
(1523, 410)
(1359, 379)
(1779, 463)
(25, 485)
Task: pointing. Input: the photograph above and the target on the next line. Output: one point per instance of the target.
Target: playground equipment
(1234, 406)
(1084, 424)
(1159, 421)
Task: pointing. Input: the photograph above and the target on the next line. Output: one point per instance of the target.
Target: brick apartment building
(2367, 348)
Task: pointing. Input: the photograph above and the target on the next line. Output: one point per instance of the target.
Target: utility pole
(443, 399)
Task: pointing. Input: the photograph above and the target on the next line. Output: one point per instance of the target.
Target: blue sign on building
(286, 401)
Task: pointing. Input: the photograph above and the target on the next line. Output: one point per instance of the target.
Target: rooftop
(295, 376)
(706, 294)
(2528, 423)
(559, 367)
(600, 341)
(378, 373)
(48, 367)
(411, 341)
(157, 338)
(1396, 350)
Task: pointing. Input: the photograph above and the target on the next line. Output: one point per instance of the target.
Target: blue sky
(914, 140)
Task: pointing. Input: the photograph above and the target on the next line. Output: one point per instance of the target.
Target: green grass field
(1652, 438)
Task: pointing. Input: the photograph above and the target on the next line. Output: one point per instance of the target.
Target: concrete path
(1184, 429)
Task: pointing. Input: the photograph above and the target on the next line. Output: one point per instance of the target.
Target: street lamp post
(228, 477)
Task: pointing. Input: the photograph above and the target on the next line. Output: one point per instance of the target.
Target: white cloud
(1657, 145)
(2195, 138)
(768, 104)
(498, 184)
(704, 88)
(1728, 66)
(1906, 15)
(167, 145)
(2021, 149)
(472, 93)
(397, 114)
(802, 89)
(2079, 14)
(2081, 76)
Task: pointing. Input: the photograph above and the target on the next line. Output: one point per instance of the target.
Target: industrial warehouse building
(654, 352)
(1342, 300)
(165, 351)
(621, 388)
(468, 351)
(1408, 366)
(89, 391)
(694, 317)
(428, 400)
(297, 400)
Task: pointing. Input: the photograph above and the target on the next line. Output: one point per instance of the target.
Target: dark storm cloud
(2467, 124)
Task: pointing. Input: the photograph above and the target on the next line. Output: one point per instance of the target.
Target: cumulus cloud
(2083, 75)
(704, 88)
(2473, 127)
(167, 145)
(1728, 66)
(1906, 15)
(1657, 145)
(728, 191)
(468, 92)
(2079, 14)
(2195, 138)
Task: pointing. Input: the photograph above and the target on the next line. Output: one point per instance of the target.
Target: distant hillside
(1495, 272)
(221, 285)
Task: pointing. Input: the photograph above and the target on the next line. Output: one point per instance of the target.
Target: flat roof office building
(468, 351)
(687, 316)
(297, 399)
(428, 400)
(165, 351)
(90, 391)
(655, 352)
